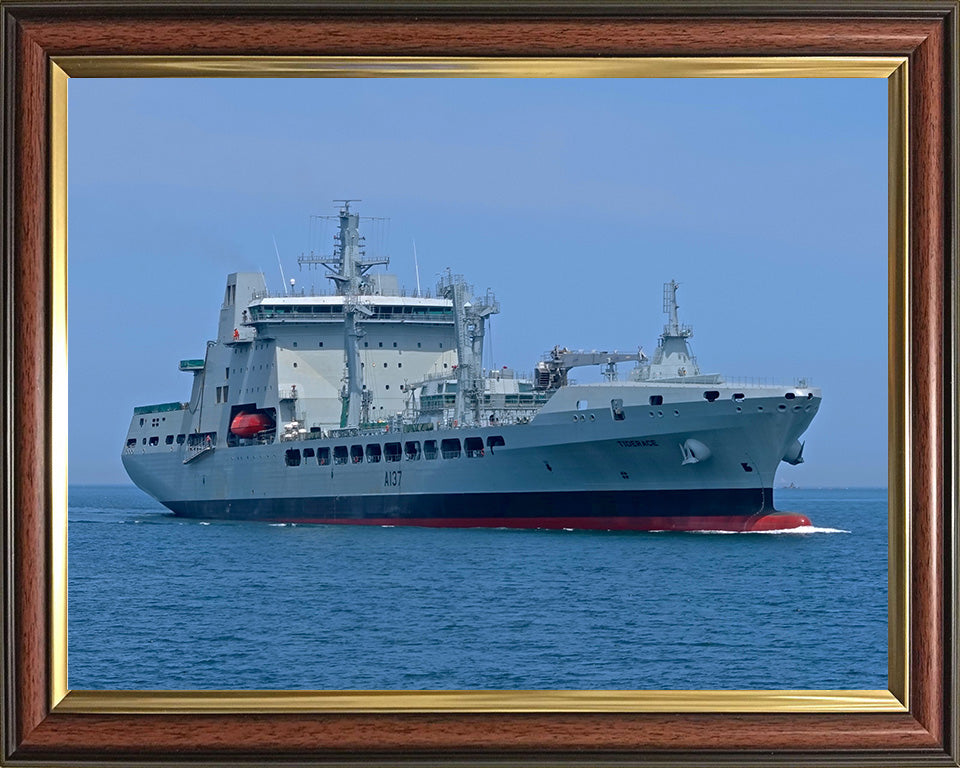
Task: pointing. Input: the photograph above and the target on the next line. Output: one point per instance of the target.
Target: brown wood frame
(925, 32)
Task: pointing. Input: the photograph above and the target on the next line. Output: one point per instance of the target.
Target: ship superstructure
(369, 405)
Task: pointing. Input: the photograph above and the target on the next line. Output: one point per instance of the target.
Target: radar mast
(348, 265)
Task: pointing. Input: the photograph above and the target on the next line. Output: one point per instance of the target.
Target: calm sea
(160, 602)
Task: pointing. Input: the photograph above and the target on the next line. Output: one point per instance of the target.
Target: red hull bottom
(774, 521)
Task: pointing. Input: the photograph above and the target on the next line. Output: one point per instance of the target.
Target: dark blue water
(160, 602)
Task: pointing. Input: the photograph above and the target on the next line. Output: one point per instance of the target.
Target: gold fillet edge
(894, 68)
(425, 66)
(381, 702)
(899, 434)
(58, 385)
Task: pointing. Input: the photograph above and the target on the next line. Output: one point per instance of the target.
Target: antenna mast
(348, 265)
(416, 266)
(283, 278)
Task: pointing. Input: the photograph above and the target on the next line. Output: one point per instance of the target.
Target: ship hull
(729, 509)
(569, 468)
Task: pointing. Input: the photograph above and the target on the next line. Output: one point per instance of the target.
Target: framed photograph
(369, 58)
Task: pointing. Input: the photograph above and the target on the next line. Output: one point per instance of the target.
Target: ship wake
(799, 530)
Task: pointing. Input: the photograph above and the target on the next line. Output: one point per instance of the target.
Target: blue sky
(575, 200)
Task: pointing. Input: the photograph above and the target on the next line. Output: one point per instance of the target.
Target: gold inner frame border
(895, 699)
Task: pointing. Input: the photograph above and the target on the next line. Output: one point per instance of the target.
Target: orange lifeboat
(250, 424)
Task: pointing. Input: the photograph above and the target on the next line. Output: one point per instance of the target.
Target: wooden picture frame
(916, 722)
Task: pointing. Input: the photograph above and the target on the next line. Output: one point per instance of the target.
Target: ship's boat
(370, 405)
(250, 424)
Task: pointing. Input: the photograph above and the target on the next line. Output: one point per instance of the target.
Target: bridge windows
(308, 453)
(474, 447)
(493, 441)
(373, 453)
(391, 452)
(411, 448)
(429, 449)
(154, 440)
(710, 395)
(340, 454)
(169, 440)
(323, 456)
(356, 454)
(292, 457)
(656, 399)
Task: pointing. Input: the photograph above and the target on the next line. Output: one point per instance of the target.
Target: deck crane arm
(551, 372)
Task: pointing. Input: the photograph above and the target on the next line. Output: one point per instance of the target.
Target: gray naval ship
(369, 405)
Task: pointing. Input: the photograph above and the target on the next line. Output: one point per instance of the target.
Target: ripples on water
(161, 602)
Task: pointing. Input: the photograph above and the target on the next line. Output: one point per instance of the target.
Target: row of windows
(380, 344)
(379, 310)
(155, 440)
(374, 453)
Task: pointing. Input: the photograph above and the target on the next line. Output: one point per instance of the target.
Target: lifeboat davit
(250, 424)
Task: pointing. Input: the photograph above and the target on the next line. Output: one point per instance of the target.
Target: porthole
(676, 413)
(781, 407)
(592, 417)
